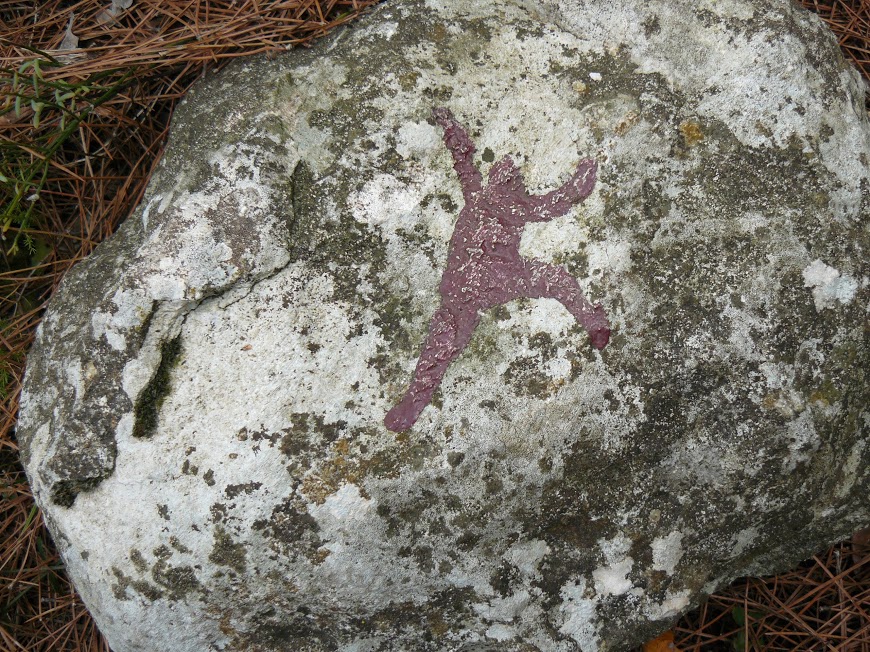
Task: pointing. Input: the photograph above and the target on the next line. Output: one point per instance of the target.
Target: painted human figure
(484, 266)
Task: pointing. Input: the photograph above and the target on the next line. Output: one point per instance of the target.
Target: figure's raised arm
(462, 148)
(558, 202)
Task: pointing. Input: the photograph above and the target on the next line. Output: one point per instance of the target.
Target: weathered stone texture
(203, 412)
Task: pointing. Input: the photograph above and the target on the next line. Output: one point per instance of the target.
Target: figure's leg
(449, 333)
(554, 282)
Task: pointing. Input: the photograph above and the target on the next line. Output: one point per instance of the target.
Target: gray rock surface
(203, 415)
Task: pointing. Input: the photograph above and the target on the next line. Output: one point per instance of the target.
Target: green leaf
(30, 517)
(37, 112)
(39, 251)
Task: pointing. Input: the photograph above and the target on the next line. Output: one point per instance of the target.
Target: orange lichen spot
(692, 133)
(664, 643)
(630, 119)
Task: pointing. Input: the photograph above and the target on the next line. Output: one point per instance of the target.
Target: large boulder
(643, 356)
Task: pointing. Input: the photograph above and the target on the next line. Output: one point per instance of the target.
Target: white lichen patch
(780, 93)
(131, 308)
(667, 552)
(417, 140)
(549, 240)
(387, 198)
(505, 609)
(527, 556)
(744, 539)
(194, 256)
(579, 617)
(612, 578)
(803, 441)
(500, 632)
(828, 285)
(611, 258)
(670, 608)
(850, 469)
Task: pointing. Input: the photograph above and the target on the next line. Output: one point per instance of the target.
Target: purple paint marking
(484, 266)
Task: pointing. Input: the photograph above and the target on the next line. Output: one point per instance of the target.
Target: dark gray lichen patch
(138, 560)
(526, 374)
(147, 409)
(527, 378)
(740, 179)
(218, 512)
(422, 556)
(279, 624)
(292, 530)
(173, 582)
(484, 340)
(394, 315)
(340, 117)
(307, 432)
(433, 620)
(418, 238)
(124, 582)
(323, 456)
(304, 202)
(246, 488)
(226, 552)
(189, 469)
(175, 542)
(177, 581)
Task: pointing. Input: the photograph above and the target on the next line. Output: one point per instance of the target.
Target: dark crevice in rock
(300, 184)
(83, 468)
(151, 398)
(64, 493)
(143, 330)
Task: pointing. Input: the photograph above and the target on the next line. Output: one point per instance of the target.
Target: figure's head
(506, 174)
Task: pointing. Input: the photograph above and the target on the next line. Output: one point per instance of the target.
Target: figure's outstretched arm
(462, 148)
(558, 202)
